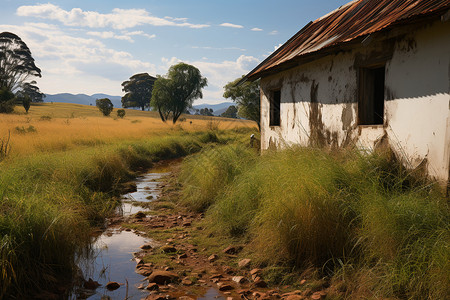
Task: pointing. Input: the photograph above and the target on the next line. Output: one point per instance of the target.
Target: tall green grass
(49, 202)
(306, 207)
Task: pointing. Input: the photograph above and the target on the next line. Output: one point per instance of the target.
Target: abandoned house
(370, 72)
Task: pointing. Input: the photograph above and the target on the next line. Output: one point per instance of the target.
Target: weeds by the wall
(362, 218)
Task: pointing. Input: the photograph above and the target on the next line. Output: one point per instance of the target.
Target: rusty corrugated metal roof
(352, 20)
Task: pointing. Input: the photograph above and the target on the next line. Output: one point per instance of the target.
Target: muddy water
(111, 255)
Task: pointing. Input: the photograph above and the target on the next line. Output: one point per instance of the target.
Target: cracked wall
(319, 99)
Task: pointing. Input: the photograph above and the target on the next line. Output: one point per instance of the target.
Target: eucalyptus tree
(16, 62)
(138, 90)
(247, 97)
(176, 92)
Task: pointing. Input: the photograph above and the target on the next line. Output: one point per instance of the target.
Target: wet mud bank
(111, 267)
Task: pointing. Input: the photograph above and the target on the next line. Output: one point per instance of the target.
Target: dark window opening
(371, 96)
(275, 102)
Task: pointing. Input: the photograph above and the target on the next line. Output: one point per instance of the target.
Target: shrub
(7, 101)
(121, 113)
(105, 106)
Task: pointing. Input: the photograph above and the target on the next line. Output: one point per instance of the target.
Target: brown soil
(184, 247)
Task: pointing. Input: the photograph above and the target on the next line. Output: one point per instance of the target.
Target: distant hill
(82, 98)
(217, 108)
(116, 101)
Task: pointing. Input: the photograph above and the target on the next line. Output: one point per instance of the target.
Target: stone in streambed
(112, 285)
(162, 277)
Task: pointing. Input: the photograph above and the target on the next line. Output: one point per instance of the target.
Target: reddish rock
(232, 250)
(187, 282)
(181, 256)
(186, 224)
(144, 270)
(112, 285)
(213, 258)
(152, 287)
(239, 279)
(224, 287)
(162, 277)
(295, 297)
(244, 263)
(168, 249)
(302, 282)
(255, 271)
(216, 276)
(146, 247)
(140, 215)
(244, 292)
(316, 296)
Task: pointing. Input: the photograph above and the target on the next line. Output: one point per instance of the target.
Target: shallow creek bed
(154, 249)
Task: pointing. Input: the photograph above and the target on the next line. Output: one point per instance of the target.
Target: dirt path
(184, 261)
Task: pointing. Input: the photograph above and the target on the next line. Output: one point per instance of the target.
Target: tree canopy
(176, 92)
(138, 90)
(207, 112)
(231, 112)
(105, 106)
(16, 62)
(247, 98)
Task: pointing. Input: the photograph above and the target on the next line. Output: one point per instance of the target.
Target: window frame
(275, 108)
(371, 98)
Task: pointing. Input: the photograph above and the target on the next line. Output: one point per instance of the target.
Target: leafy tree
(32, 91)
(247, 98)
(121, 113)
(16, 62)
(26, 102)
(105, 106)
(138, 91)
(7, 100)
(176, 92)
(231, 112)
(206, 112)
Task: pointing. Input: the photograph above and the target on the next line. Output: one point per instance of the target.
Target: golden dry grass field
(50, 127)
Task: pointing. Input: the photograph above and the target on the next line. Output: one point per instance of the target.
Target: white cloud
(273, 32)
(256, 29)
(231, 25)
(118, 19)
(73, 64)
(141, 33)
(110, 35)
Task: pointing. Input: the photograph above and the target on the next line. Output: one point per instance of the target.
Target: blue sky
(93, 46)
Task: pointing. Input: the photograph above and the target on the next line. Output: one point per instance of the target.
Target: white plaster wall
(418, 79)
(417, 106)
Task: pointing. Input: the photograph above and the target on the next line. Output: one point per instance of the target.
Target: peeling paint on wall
(320, 99)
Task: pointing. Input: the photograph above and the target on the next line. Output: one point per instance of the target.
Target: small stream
(110, 257)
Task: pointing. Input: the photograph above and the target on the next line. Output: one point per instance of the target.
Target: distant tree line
(16, 67)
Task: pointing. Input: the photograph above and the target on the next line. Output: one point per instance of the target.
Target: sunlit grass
(63, 174)
(362, 218)
(63, 126)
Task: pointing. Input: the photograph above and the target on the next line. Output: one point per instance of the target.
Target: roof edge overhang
(443, 14)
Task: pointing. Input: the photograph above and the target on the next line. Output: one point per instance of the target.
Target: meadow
(52, 127)
(358, 222)
(63, 173)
